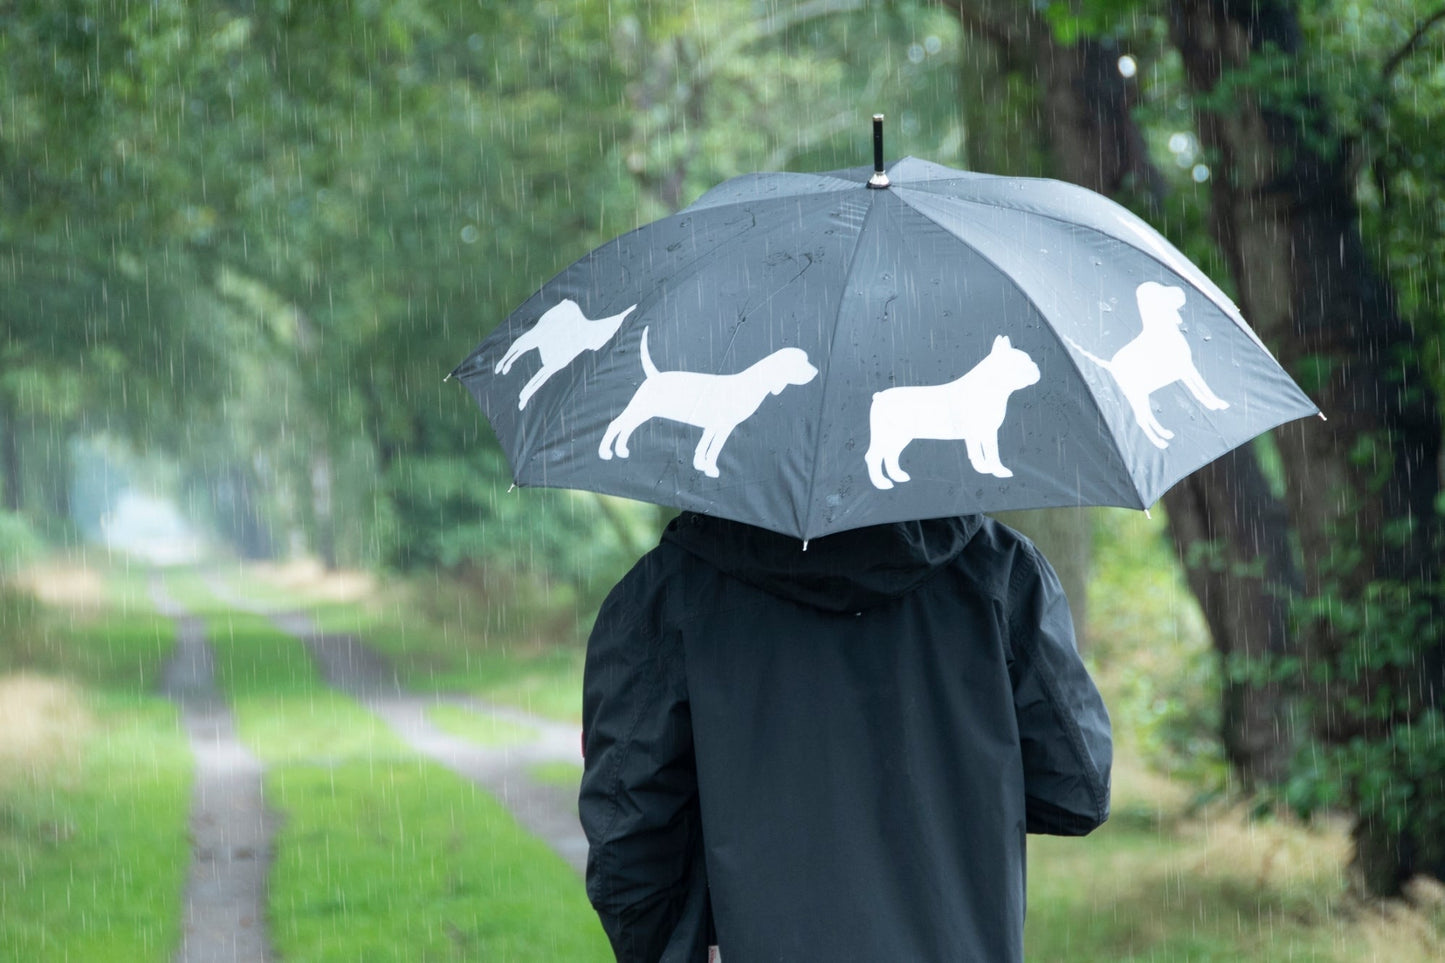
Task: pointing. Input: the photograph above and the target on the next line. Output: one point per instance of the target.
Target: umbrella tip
(879, 179)
(1322, 416)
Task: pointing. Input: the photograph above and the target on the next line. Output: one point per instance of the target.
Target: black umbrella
(812, 353)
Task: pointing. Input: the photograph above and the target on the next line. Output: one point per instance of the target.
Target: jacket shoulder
(642, 599)
(998, 557)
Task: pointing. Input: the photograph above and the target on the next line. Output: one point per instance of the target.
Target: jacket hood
(845, 572)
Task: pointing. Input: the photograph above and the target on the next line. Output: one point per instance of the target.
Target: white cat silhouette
(971, 408)
(715, 403)
(1159, 356)
(559, 336)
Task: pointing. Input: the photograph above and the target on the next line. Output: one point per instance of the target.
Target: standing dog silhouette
(559, 336)
(971, 408)
(715, 403)
(1159, 356)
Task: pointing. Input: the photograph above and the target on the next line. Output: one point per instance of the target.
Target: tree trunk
(59, 469)
(1285, 216)
(234, 497)
(10, 478)
(322, 518)
(1231, 536)
(1083, 131)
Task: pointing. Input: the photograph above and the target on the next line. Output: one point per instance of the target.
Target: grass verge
(95, 777)
(1215, 887)
(480, 728)
(419, 865)
(504, 638)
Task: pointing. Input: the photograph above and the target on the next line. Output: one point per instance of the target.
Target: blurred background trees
(245, 241)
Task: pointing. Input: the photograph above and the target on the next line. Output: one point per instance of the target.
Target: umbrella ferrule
(879, 178)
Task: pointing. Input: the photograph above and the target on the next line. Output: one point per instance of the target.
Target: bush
(1151, 650)
(18, 541)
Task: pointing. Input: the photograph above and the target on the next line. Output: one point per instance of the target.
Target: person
(832, 752)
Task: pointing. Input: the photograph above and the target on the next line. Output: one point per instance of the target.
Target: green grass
(284, 711)
(499, 637)
(94, 865)
(95, 781)
(479, 727)
(536, 677)
(94, 778)
(1169, 878)
(418, 865)
(384, 856)
(186, 585)
(1228, 893)
(114, 646)
(564, 775)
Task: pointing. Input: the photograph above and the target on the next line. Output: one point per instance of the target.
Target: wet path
(350, 666)
(230, 827)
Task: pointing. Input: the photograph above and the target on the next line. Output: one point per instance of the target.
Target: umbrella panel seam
(1078, 370)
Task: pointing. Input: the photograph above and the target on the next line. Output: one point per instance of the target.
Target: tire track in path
(547, 811)
(231, 829)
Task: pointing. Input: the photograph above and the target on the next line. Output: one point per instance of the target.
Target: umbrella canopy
(812, 353)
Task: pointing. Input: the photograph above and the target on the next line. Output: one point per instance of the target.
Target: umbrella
(812, 353)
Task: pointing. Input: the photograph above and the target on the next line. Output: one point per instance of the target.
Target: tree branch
(1411, 45)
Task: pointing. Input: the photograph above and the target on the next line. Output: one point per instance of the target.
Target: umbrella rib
(842, 188)
(1078, 370)
(698, 261)
(827, 382)
(644, 304)
(1233, 312)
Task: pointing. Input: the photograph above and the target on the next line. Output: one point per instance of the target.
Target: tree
(1075, 117)
(1363, 487)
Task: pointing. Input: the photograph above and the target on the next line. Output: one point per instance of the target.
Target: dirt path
(231, 829)
(349, 665)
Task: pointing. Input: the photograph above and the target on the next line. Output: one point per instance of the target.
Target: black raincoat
(833, 754)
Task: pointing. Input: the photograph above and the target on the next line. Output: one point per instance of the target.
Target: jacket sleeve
(638, 803)
(1063, 725)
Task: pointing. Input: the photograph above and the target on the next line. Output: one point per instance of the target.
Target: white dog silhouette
(715, 403)
(559, 336)
(971, 408)
(1159, 356)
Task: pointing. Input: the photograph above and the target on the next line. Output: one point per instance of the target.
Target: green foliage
(1071, 21)
(1395, 781)
(18, 541)
(1151, 649)
(1380, 749)
(449, 512)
